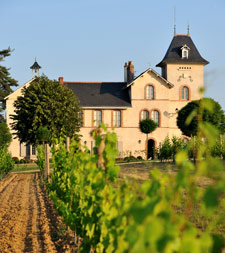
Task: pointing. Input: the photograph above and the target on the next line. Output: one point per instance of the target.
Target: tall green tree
(45, 104)
(5, 135)
(212, 113)
(6, 82)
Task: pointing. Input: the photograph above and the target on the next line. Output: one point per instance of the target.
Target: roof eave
(20, 88)
(105, 107)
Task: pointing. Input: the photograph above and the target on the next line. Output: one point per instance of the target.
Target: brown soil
(28, 222)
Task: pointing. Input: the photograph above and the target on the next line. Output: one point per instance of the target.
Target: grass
(26, 167)
(139, 172)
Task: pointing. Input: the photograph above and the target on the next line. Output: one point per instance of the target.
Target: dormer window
(185, 50)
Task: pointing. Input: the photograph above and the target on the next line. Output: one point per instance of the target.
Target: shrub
(6, 161)
(16, 160)
(22, 161)
(165, 151)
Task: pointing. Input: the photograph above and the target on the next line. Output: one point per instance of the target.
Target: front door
(151, 148)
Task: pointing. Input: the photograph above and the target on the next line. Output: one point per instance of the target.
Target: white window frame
(117, 118)
(144, 114)
(150, 92)
(155, 116)
(185, 93)
(81, 116)
(97, 118)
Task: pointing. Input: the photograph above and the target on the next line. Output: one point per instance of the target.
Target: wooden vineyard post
(68, 143)
(47, 172)
(221, 147)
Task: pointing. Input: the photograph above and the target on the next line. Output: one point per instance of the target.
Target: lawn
(25, 167)
(138, 172)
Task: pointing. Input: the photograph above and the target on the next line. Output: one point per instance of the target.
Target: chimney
(125, 72)
(61, 80)
(130, 71)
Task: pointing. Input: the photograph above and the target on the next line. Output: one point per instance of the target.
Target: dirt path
(28, 222)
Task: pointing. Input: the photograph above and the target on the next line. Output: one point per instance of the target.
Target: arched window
(117, 118)
(185, 93)
(97, 118)
(155, 116)
(144, 114)
(150, 92)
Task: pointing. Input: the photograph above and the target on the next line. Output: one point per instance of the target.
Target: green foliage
(187, 119)
(170, 147)
(6, 161)
(6, 82)
(147, 126)
(43, 135)
(41, 159)
(116, 216)
(164, 152)
(5, 135)
(218, 150)
(45, 103)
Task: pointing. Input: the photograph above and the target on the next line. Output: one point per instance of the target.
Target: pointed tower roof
(35, 65)
(174, 52)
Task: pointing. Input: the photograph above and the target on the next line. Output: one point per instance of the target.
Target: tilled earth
(28, 222)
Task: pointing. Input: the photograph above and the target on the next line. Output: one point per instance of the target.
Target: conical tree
(6, 82)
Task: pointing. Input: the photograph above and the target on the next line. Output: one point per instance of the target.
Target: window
(185, 50)
(81, 117)
(117, 118)
(33, 150)
(144, 114)
(185, 54)
(155, 116)
(97, 118)
(150, 92)
(185, 93)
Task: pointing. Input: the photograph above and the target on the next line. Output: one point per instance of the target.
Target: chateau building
(121, 105)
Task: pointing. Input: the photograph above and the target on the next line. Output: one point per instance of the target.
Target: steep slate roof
(173, 54)
(100, 94)
(35, 65)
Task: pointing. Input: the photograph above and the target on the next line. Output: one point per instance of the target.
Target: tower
(35, 68)
(183, 66)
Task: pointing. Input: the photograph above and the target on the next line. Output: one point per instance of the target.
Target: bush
(130, 159)
(6, 161)
(22, 161)
(140, 158)
(165, 151)
(16, 160)
(218, 150)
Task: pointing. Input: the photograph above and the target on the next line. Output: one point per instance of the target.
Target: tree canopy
(45, 104)
(5, 136)
(211, 113)
(6, 82)
(147, 126)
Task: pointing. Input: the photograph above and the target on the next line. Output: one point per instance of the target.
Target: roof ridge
(89, 82)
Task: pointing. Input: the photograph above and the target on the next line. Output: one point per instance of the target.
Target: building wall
(166, 101)
(16, 148)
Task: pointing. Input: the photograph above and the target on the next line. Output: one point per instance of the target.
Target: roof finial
(188, 29)
(175, 20)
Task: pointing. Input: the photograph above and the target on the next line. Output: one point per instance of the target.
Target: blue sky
(90, 40)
